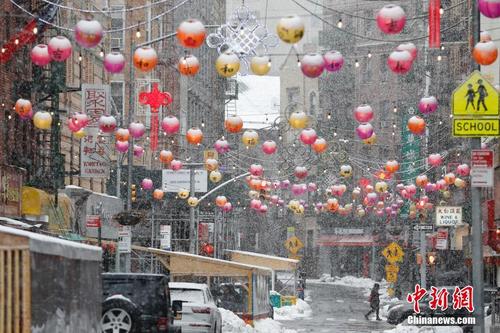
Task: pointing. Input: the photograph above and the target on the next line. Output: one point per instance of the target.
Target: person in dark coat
(374, 300)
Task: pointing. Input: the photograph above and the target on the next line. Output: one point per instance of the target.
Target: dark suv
(134, 303)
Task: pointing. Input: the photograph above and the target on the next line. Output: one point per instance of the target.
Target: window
(117, 22)
(293, 94)
(117, 93)
(313, 103)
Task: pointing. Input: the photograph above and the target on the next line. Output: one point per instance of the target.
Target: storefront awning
(346, 240)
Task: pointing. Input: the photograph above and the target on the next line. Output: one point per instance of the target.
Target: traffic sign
(391, 277)
(475, 97)
(482, 168)
(468, 127)
(392, 268)
(293, 244)
(418, 227)
(93, 221)
(393, 253)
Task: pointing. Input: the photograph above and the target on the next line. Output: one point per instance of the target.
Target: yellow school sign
(475, 107)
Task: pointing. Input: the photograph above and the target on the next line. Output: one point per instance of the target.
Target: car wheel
(119, 316)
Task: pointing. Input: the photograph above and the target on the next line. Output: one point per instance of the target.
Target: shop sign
(481, 172)
(442, 239)
(11, 183)
(95, 102)
(125, 239)
(448, 216)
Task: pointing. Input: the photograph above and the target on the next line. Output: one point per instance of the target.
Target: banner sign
(95, 102)
(94, 149)
(448, 216)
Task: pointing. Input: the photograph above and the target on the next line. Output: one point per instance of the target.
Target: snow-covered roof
(56, 246)
(187, 285)
(255, 254)
(272, 262)
(15, 222)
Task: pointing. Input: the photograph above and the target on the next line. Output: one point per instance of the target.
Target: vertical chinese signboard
(94, 148)
(11, 183)
(410, 153)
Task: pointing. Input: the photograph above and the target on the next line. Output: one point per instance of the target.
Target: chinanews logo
(438, 310)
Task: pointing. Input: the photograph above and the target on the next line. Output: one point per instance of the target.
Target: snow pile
(231, 323)
(425, 329)
(290, 312)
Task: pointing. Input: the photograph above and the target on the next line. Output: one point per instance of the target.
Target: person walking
(374, 300)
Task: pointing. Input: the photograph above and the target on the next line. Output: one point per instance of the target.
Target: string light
(439, 58)
(340, 24)
(329, 115)
(202, 123)
(138, 32)
(369, 54)
(298, 63)
(356, 63)
(440, 122)
(16, 41)
(441, 10)
(80, 57)
(35, 30)
(3, 50)
(395, 109)
(101, 53)
(269, 63)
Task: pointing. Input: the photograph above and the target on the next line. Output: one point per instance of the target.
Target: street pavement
(337, 309)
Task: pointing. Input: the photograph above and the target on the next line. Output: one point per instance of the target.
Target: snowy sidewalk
(231, 323)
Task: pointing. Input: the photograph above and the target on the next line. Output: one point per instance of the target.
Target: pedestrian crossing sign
(476, 97)
(293, 244)
(393, 253)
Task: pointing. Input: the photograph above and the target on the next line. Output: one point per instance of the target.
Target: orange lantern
(449, 178)
(23, 107)
(260, 65)
(421, 181)
(166, 156)
(320, 145)
(255, 184)
(485, 52)
(191, 33)
(194, 136)
(392, 166)
(189, 65)
(158, 194)
(220, 201)
(122, 134)
(332, 205)
(416, 125)
(145, 59)
(233, 124)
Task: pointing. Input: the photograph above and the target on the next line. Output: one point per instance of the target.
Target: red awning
(346, 240)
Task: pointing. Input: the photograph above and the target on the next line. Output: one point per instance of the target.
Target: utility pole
(192, 222)
(477, 241)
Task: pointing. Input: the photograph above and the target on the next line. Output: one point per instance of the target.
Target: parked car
(199, 309)
(400, 311)
(134, 303)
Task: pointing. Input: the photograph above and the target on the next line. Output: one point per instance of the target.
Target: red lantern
(312, 65)
(189, 65)
(391, 19)
(145, 59)
(59, 48)
(88, 33)
(320, 145)
(23, 107)
(485, 53)
(400, 62)
(410, 47)
(107, 124)
(416, 125)
(166, 156)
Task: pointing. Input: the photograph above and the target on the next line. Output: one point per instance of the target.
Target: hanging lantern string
(108, 11)
(422, 16)
(372, 38)
(106, 31)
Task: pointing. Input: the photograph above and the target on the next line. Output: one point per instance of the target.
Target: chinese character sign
(95, 102)
(461, 298)
(94, 150)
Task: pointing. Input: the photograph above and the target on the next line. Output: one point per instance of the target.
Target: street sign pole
(477, 241)
(192, 226)
(423, 264)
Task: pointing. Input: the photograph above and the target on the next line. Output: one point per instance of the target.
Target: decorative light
(329, 115)
(35, 30)
(3, 50)
(441, 10)
(340, 24)
(356, 63)
(138, 32)
(369, 54)
(395, 109)
(16, 41)
(439, 58)
(101, 53)
(80, 57)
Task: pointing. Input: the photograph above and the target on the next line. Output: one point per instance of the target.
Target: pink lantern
(372, 198)
(463, 170)
(256, 170)
(88, 33)
(255, 204)
(338, 190)
(400, 62)
(73, 127)
(136, 129)
(364, 131)
(269, 147)
(379, 212)
(430, 187)
(221, 146)
(300, 172)
(333, 61)
(363, 113)
(263, 209)
(428, 105)
(59, 48)
(308, 136)
(312, 65)
(80, 119)
(227, 207)
(281, 202)
(311, 187)
(410, 47)
(114, 62)
(170, 124)
(121, 146)
(274, 199)
(434, 160)
(489, 8)
(400, 187)
(391, 19)
(147, 184)
(298, 189)
(138, 151)
(441, 184)
(285, 184)
(107, 124)
(40, 55)
(176, 165)
(411, 189)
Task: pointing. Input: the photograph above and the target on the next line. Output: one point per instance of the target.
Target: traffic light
(431, 258)
(133, 193)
